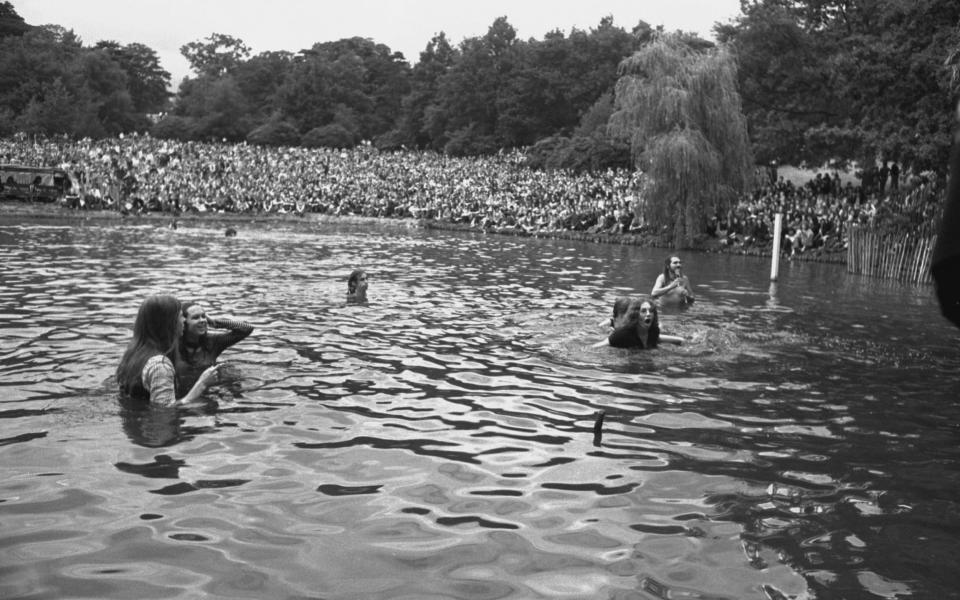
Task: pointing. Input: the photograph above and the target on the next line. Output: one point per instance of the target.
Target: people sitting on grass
(138, 173)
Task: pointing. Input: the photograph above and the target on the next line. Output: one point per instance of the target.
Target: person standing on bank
(146, 370)
(200, 347)
(672, 285)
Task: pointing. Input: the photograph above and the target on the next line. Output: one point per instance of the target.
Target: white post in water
(775, 259)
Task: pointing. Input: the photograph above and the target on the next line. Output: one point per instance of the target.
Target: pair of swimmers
(172, 358)
(636, 321)
(173, 349)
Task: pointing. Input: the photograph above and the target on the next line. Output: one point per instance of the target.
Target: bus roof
(26, 169)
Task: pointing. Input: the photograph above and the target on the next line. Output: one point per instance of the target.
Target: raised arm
(236, 331)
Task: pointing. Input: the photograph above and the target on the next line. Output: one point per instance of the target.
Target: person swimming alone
(357, 287)
(672, 285)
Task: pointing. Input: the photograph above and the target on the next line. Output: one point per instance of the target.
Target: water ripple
(460, 436)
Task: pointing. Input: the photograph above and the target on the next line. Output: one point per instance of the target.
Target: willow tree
(680, 110)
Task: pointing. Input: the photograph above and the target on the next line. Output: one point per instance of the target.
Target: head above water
(629, 311)
(159, 322)
(636, 323)
(156, 330)
(357, 282)
(672, 266)
(195, 320)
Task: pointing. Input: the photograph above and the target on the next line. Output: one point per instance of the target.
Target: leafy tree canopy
(826, 80)
(679, 109)
(11, 23)
(215, 56)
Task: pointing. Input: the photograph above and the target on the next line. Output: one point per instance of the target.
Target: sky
(403, 25)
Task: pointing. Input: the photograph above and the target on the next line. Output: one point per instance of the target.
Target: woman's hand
(210, 376)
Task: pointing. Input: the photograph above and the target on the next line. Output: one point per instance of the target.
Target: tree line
(820, 80)
(788, 81)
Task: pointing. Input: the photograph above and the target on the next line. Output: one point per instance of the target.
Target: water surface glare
(440, 441)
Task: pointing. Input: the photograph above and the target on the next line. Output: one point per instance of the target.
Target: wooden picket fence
(890, 255)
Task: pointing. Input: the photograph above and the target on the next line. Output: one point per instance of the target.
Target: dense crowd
(818, 214)
(138, 173)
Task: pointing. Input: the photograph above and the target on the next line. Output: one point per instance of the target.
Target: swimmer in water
(357, 287)
(636, 324)
(199, 347)
(146, 370)
(672, 285)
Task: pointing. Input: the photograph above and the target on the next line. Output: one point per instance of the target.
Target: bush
(391, 140)
(466, 142)
(275, 133)
(172, 127)
(579, 153)
(7, 118)
(328, 136)
(539, 154)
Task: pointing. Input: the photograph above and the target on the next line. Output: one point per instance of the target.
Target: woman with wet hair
(199, 346)
(636, 324)
(357, 287)
(146, 370)
(672, 285)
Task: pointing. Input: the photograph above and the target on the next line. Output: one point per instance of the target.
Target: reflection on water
(446, 440)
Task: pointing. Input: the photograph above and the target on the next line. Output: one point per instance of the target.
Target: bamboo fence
(890, 255)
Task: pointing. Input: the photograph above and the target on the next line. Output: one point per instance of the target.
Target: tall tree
(41, 74)
(216, 56)
(469, 96)
(836, 79)
(260, 77)
(435, 60)
(53, 110)
(681, 112)
(102, 85)
(147, 81)
(214, 108)
(11, 23)
(352, 82)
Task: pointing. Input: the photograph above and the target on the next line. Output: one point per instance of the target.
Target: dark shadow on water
(150, 426)
(157, 426)
(162, 467)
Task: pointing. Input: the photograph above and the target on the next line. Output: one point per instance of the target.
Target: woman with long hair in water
(146, 370)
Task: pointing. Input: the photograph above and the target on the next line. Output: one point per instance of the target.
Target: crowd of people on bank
(138, 173)
(818, 214)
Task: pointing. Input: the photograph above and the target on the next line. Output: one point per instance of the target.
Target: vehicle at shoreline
(44, 184)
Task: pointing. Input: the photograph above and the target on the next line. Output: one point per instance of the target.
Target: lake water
(440, 442)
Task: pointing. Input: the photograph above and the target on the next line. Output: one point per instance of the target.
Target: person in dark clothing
(946, 254)
(200, 347)
(894, 176)
(636, 324)
(884, 173)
